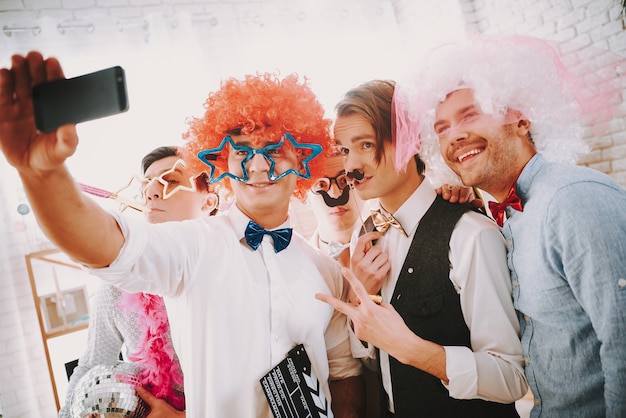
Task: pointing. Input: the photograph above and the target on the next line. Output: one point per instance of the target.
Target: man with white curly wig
(506, 115)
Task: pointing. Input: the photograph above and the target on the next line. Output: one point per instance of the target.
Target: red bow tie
(497, 209)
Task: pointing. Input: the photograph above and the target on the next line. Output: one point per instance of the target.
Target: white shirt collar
(239, 221)
(414, 208)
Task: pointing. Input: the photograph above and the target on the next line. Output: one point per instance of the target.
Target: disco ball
(109, 392)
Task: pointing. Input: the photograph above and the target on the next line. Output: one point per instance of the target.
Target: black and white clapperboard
(292, 389)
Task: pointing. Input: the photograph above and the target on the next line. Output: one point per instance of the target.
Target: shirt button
(527, 360)
(537, 401)
(276, 337)
(527, 318)
(621, 282)
(509, 243)
(410, 269)
(515, 283)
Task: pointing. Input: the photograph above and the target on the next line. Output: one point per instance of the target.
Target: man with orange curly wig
(239, 288)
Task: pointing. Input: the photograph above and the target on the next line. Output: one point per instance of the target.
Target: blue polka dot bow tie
(255, 232)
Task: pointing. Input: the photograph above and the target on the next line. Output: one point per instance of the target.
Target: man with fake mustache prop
(446, 337)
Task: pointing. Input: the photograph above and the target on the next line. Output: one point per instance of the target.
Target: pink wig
(552, 84)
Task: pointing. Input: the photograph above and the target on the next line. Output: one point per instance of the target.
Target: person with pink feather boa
(139, 321)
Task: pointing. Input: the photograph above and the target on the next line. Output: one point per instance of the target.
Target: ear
(308, 197)
(523, 127)
(211, 203)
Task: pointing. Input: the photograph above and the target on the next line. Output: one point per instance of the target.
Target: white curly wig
(516, 72)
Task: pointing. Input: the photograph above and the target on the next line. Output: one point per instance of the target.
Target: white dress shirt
(235, 312)
(493, 368)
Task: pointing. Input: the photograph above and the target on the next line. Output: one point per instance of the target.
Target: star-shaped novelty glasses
(134, 193)
(268, 152)
(173, 181)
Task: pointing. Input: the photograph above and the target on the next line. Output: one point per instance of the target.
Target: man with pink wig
(504, 113)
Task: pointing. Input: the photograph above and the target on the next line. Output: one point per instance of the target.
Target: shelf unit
(60, 289)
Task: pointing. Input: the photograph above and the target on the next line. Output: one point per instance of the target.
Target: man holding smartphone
(229, 278)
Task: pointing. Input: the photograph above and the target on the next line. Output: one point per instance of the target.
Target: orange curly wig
(265, 107)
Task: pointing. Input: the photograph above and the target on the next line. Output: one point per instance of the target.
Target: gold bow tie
(383, 222)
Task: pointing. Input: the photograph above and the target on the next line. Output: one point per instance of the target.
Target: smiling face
(180, 205)
(263, 105)
(484, 151)
(264, 201)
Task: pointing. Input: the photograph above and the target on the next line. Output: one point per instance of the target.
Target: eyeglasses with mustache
(323, 184)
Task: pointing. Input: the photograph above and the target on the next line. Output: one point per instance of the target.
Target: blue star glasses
(269, 152)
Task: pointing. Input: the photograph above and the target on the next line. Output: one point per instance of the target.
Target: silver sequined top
(109, 329)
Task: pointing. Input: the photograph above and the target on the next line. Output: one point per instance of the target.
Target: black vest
(430, 306)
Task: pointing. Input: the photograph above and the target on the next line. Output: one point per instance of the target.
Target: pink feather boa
(155, 353)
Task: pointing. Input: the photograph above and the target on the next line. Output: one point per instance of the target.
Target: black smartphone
(79, 99)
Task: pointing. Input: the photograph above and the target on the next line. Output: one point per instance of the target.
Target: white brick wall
(588, 22)
(25, 390)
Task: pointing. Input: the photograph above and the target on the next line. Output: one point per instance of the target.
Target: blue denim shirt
(567, 255)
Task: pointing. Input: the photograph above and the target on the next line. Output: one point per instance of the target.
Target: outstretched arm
(74, 222)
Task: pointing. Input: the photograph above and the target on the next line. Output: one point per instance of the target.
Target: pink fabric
(405, 131)
(160, 373)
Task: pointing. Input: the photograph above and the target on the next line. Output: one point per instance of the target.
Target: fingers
(369, 236)
(364, 243)
(374, 262)
(158, 407)
(21, 77)
(53, 69)
(28, 71)
(36, 69)
(147, 397)
(337, 304)
(67, 141)
(446, 193)
(7, 87)
(357, 288)
(477, 203)
(375, 258)
(356, 285)
(466, 194)
(455, 194)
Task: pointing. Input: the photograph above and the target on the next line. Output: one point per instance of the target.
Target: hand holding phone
(79, 99)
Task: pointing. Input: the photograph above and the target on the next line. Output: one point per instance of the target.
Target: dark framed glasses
(323, 184)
